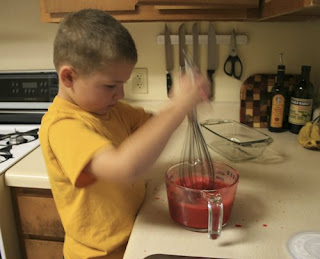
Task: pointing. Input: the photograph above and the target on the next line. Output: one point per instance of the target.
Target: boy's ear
(67, 75)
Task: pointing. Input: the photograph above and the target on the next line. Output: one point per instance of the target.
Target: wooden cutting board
(255, 96)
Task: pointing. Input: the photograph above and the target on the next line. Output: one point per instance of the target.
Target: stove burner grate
(5, 153)
(14, 139)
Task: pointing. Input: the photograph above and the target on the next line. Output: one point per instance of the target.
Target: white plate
(305, 245)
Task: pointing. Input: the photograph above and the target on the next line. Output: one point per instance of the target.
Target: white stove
(16, 141)
(25, 97)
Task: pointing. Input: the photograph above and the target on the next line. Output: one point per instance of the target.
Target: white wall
(25, 43)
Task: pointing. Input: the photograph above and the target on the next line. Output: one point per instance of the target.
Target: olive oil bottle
(301, 101)
(278, 116)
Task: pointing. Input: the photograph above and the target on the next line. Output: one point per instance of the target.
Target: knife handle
(210, 74)
(169, 83)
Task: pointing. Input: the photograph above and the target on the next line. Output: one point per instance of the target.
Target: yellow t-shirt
(98, 218)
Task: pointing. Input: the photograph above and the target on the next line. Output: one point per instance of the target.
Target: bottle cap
(304, 67)
(281, 67)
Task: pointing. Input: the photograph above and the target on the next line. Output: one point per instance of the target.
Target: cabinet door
(40, 249)
(290, 10)
(156, 10)
(67, 6)
(201, 4)
(38, 215)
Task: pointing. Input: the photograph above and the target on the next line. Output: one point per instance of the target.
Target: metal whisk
(197, 170)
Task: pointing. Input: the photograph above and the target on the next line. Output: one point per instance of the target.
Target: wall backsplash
(25, 43)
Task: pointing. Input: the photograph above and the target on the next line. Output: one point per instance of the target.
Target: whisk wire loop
(197, 171)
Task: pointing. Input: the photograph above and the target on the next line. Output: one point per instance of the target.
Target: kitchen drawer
(39, 249)
(38, 214)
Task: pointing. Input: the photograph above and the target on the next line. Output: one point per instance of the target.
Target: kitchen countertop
(29, 172)
(277, 197)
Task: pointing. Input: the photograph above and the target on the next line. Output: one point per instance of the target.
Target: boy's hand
(193, 89)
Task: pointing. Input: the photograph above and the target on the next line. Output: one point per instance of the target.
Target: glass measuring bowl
(202, 209)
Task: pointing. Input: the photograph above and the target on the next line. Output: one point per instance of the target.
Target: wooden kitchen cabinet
(38, 249)
(39, 225)
(188, 10)
(290, 10)
(63, 6)
(156, 10)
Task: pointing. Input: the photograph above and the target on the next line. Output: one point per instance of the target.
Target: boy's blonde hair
(90, 39)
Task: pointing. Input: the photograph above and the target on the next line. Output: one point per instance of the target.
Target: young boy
(96, 148)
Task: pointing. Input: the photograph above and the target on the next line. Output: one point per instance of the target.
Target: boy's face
(101, 90)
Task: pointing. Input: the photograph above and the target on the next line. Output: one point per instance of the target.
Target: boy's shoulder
(60, 109)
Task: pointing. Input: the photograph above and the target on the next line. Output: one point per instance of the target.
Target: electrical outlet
(139, 81)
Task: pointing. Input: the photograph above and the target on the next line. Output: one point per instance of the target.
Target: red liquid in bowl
(191, 210)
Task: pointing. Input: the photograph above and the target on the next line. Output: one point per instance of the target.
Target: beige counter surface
(277, 197)
(29, 172)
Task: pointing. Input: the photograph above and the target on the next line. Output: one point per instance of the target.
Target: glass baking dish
(233, 140)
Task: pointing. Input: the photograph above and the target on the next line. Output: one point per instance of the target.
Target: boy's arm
(139, 151)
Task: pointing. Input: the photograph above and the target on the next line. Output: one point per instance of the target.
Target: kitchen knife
(182, 47)
(212, 56)
(195, 41)
(169, 58)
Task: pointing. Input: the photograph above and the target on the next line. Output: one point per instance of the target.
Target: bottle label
(300, 111)
(277, 110)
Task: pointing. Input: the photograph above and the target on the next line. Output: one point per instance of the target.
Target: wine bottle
(301, 101)
(278, 116)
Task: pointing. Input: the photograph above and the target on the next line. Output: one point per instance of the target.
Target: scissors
(233, 64)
